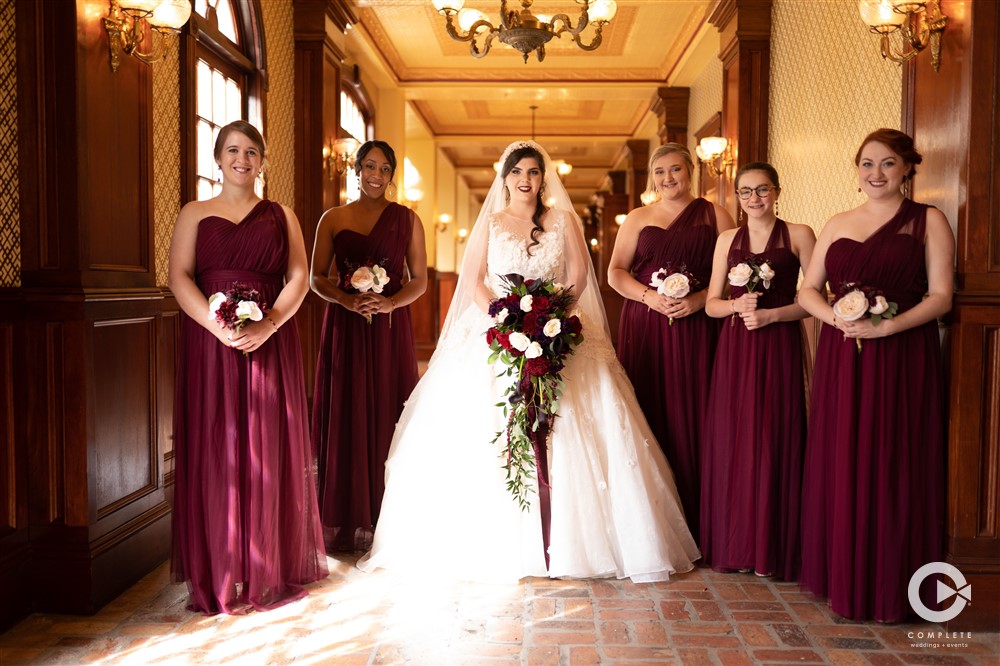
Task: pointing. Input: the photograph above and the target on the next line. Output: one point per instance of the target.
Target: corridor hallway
(353, 618)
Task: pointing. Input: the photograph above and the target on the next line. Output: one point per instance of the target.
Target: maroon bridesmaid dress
(364, 374)
(873, 492)
(755, 428)
(669, 365)
(246, 525)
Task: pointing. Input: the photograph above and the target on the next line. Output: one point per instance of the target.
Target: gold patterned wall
(279, 126)
(166, 157)
(705, 101)
(829, 88)
(10, 218)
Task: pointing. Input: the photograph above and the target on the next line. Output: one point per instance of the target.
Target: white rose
(675, 286)
(881, 305)
(379, 279)
(249, 310)
(503, 314)
(534, 350)
(552, 328)
(362, 279)
(851, 306)
(526, 303)
(740, 274)
(766, 274)
(519, 341)
(656, 280)
(214, 302)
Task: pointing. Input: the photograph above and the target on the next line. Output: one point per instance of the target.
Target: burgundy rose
(537, 367)
(530, 324)
(540, 304)
(491, 335)
(574, 325)
(504, 340)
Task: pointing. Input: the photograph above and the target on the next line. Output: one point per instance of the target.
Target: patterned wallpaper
(279, 125)
(705, 102)
(829, 89)
(166, 157)
(10, 219)
(279, 128)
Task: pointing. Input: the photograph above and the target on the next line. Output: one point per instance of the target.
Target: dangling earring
(859, 188)
(390, 190)
(776, 208)
(218, 176)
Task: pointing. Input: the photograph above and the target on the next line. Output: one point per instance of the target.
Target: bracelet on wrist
(272, 322)
(643, 297)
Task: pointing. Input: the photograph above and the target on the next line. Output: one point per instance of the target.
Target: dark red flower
(540, 304)
(537, 367)
(504, 340)
(530, 324)
(491, 335)
(574, 325)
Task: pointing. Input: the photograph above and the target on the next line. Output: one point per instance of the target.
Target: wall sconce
(339, 155)
(442, 224)
(126, 26)
(462, 235)
(712, 149)
(594, 245)
(412, 196)
(620, 219)
(648, 197)
(919, 21)
(563, 168)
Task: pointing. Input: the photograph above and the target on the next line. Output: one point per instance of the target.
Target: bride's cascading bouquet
(750, 273)
(533, 336)
(236, 306)
(365, 278)
(854, 301)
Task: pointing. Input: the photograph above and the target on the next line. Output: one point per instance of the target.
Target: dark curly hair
(516, 156)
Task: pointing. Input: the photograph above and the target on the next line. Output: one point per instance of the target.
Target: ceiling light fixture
(523, 30)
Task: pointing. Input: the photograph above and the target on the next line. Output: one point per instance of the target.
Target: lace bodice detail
(507, 252)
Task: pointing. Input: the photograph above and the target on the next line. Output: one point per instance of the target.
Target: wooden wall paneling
(639, 167)
(168, 348)
(953, 117)
(671, 109)
(14, 553)
(614, 204)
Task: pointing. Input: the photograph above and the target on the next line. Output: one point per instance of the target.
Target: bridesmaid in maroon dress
(873, 492)
(755, 427)
(367, 361)
(246, 529)
(667, 344)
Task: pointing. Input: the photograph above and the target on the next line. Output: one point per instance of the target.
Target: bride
(446, 511)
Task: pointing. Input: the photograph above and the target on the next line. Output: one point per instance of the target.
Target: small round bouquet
(672, 282)
(532, 337)
(367, 278)
(858, 300)
(236, 306)
(750, 273)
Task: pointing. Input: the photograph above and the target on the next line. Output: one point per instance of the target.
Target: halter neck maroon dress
(755, 428)
(246, 525)
(364, 374)
(669, 365)
(873, 492)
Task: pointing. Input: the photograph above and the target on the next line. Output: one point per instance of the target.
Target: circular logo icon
(962, 592)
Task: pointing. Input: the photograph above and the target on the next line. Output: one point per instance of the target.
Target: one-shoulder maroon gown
(246, 524)
(364, 374)
(873, 491)
(670, 365)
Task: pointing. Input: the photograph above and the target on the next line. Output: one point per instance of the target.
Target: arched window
(355, 121)
(221, 81)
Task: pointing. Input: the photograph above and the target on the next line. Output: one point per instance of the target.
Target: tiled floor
(354, 618)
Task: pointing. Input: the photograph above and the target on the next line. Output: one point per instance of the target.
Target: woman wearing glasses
(755, 429)
(873, 498)
(666, 342)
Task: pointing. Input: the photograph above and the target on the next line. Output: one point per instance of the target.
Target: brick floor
(702, 617)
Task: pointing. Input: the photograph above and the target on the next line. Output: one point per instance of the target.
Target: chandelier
(523, 30)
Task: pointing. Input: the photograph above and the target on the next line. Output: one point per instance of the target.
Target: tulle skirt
(447, 511)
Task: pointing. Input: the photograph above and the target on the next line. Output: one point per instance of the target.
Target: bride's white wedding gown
(447, 511)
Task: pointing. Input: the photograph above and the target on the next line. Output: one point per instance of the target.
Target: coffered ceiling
(588, 103)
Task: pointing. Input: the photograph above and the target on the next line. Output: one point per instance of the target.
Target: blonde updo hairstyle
(662, 151)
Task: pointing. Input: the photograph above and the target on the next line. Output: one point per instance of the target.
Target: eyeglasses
(761, 190)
